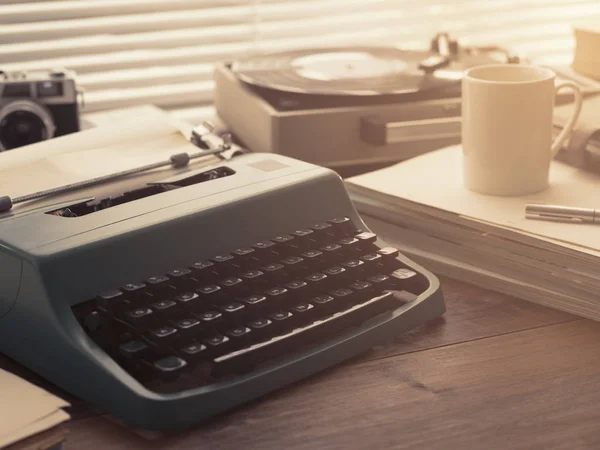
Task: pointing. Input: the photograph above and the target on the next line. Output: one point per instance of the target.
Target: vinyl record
(343, 71)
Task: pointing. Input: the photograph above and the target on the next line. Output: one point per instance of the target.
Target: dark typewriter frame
(43, 301)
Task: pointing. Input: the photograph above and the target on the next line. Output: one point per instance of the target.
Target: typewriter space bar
(244, 359)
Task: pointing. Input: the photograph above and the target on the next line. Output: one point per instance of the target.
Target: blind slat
(64, 10)
(135, 51)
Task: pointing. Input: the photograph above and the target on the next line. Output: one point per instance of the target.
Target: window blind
(129, 52)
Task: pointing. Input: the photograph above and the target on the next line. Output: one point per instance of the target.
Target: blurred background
(129, 52)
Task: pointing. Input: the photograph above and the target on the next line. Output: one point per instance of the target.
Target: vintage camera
(37, 106)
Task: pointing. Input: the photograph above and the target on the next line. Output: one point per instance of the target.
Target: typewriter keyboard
(234, 312)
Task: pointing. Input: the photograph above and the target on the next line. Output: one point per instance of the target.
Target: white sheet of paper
(26, 409)
(435, 180)
(142, 136)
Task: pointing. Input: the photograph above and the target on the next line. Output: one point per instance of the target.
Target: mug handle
(557, 144)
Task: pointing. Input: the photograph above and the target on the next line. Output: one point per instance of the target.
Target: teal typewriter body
(187, 297)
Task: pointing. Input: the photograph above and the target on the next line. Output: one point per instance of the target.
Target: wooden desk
(495, 372)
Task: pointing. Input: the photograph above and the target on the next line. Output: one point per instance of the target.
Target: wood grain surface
(495, 372)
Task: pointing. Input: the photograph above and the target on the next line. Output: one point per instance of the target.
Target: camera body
(36, 106)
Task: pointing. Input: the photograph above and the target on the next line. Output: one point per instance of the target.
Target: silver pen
(562, 213)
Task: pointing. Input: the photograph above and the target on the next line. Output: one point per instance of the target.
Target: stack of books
(422, 206)
(586, 59)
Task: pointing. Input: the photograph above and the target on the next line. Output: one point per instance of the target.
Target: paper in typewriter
(123, 140)
(434, 182)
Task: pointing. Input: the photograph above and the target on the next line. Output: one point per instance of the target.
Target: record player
(349, 106)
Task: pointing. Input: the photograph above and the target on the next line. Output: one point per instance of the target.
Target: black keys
(363, 291)
(233, 312)
(252, 297)
(163, 335)
(181, 279)
(296, 285)
(379, 278)
(292, 261)
(165, 306)
(372, 263)
(190, 301)
(265, 251)
(255, 300)
(350, 245)
(285, 245)
(322, 300)
(169, 367)
(217, 344)
(244, 257)
(408, 280)
(210, 294)
(403, 274)
(298, 289)
(302, 308)
(110, 300)
(264, 245)
(354, 267)
(277, 296)
(366, 237)
(303, 313)
(222, 259)
(239, 336)
(178, 274)
(303, 238)
(336, 274)
(194, 351)
(92, 321)
(342, 226)
(314, 258)
(233, 286)
(331, 252)
(317, 282)
(294, 265)
(157, 283)
(389, 258)
(135, 292)
(261, 328)
(254, 276)
(323, 232)
(210, 317)
(188, 326)
(224, 265)
(203, 271)
(275, 272)
(343, 298)
(390, 252)
(371, 257)
(138, 316)
(361, 285)
(330, 248)
(282, 321)
(283, 239)
(133, 349)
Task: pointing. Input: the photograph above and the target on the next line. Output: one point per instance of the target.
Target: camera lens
(23, 123)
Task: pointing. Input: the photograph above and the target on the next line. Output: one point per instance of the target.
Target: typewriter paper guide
(435, 180)
(144, 136)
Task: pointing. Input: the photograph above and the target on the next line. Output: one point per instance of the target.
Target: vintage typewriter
(167, 304)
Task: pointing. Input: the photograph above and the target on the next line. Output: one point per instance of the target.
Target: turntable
(349, 106)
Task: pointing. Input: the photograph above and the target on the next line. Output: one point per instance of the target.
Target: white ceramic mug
(507, 127)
